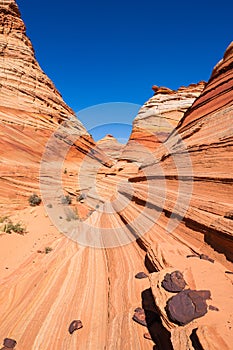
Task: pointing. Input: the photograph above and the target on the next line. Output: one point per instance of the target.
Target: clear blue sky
(114, 51)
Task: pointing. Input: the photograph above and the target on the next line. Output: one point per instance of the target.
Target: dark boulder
(206, 257)
(187, 305)
(9, 343)
(75, 325)
(174, 282)
(141, 275)
(139, 316)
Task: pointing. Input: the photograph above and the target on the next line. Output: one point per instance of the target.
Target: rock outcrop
(171, 201)
(24, 86)
(111, 146)
(31, 109)
(158, 117)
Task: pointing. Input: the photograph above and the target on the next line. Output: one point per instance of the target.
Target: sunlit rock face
(24, 86)
(31, 109)
(158, 117)
(199, 154)
(111, 146)
(163, 205)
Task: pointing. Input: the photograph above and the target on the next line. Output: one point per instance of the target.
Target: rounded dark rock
(75, 325)
(141, 275)
(174, 282)
(9, 343)
(140, 317)
(187, 305)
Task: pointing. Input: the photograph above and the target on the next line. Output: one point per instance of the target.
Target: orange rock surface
(158, 117)
(156, 210)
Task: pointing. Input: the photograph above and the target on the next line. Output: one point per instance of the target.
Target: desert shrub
(17, 228)
(34, 200)
(3, 219)
(66, 200)
(48, 250)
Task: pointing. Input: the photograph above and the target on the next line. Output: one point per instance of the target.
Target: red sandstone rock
(157, 119)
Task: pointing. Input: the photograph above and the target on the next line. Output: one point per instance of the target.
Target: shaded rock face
(158, 117)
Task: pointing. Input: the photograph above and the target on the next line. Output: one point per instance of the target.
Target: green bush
(3, 218)
(48, 250)
(34, 200)
(17, 228)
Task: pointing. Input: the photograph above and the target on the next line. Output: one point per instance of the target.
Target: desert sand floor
(42, 293)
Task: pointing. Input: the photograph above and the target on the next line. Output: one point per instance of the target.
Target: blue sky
(114, 51)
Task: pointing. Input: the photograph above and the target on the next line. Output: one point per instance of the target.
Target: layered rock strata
(173, 206)
(31, 110)
(158, 117)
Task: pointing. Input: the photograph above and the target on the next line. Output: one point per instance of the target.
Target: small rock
(141, 275)
(213, 308)
(75, 325)
(147, 336)
(187, 305)
(9, 343)
(140, 317)
(229, 215)
(139, 309)
(229, 272)
(174, 282)
(205, 257)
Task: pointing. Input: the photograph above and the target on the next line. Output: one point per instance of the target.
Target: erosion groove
(160, 204)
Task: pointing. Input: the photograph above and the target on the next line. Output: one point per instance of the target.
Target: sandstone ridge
(167, 193)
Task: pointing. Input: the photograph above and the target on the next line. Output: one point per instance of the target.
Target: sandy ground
(42, 293)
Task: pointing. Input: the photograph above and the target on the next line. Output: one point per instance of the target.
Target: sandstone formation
(172, 202)
(158, 117)
(111, 146)
(31, 109)
(24, 86)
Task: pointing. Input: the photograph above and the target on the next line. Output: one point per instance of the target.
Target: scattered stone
(147, 336)
(9, 343)
(140, 317)
(213, 308)
(206, 257)
(138, 309)
(187, 305)
(75, 325)
(229, 215)
(141, 275)
(174, 282)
